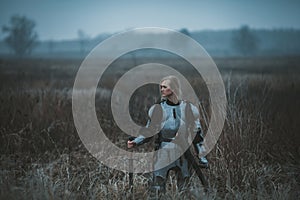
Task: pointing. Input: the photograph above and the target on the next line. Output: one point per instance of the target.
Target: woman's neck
(173, 99)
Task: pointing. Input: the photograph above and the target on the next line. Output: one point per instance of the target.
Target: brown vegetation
(42, 157)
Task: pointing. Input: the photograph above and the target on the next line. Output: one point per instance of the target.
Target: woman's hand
(130, 144)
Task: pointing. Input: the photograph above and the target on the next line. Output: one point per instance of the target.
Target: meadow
(42, 156)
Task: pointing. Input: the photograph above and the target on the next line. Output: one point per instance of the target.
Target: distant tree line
(21, 36)
(245, 41)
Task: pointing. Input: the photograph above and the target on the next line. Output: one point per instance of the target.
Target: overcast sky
(61, 19)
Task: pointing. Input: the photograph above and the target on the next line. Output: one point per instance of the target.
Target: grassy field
(42, 157)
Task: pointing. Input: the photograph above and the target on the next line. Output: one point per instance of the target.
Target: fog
(60, 20)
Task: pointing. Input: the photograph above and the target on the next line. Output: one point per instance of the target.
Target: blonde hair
(174, 85)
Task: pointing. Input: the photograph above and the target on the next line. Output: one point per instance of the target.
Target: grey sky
(61, 19)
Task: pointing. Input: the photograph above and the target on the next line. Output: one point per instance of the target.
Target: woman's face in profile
(165, 89)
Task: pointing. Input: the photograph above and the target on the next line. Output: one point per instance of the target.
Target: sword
(130, 166)
(196, 166)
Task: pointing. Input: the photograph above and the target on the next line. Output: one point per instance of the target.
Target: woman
(174, 113)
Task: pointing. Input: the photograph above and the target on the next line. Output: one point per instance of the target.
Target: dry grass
(42, 157)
